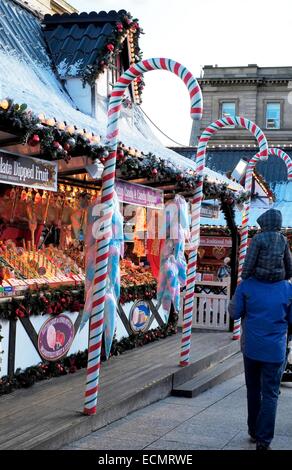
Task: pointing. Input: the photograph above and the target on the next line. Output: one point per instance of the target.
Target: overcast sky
(197, 33)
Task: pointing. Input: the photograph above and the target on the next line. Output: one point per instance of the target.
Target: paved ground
(128, 382)
(215, 419)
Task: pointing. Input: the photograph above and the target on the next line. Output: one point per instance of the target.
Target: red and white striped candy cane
(245, 218)
(108, 179)
(195, 223)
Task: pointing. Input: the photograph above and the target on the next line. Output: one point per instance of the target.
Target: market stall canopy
(283, 202)
(223, 160)
(29, 78)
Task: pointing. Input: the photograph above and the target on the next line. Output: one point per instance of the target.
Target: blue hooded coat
(268, 257)
(266, 311)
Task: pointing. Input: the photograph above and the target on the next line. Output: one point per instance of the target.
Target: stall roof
(222, 161)
(29, 78)
(75, 41)
(283, 202)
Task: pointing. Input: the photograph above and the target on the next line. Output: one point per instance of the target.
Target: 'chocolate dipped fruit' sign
(28, 171)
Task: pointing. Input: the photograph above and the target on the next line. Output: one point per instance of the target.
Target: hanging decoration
(44, 301)
(113, 275)
(173, 266)
(139, 233)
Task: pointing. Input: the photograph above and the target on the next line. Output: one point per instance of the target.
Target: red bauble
(56, 144)
(34, 140)
(154, 171)
(67, 147)
(110, 47)
(120, 154)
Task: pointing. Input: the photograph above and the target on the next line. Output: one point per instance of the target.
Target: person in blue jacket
(265, 308)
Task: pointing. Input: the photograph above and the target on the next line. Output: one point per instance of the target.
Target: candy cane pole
(108, 179)
(195, 222)
(245, 218)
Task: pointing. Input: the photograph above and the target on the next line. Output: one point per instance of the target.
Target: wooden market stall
(46, 147)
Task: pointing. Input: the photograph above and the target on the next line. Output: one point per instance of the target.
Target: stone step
(208, 378)
(197, 365)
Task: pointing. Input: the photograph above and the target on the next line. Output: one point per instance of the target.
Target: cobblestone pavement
(216, 419)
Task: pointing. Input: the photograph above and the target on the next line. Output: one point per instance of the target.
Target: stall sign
(55, 338)
(140, 316)
(139, 195)
(216, 241)
(26, 171)
(209, 210)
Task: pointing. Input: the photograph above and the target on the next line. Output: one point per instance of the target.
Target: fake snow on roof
(65, 69)
(27, 77)
(283, 194)
(37, 86)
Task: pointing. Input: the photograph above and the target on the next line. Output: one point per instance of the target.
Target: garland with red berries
(71, 364)
(113, 48)
(54, 301)
(57, 142)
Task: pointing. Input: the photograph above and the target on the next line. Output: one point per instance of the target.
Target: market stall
(44, 253)
(42, 268)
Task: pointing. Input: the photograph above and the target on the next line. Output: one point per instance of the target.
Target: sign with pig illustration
(55, 338)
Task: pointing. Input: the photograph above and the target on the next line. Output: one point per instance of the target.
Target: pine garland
(56, 143)
(53, 301)
(56, 140)
(71, 364)
(114, 46)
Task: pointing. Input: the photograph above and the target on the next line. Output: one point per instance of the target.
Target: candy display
(22, 268)
(133, 275)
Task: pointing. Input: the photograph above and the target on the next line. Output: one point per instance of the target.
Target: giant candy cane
(245, 218)
(108, 179)
(195, 218)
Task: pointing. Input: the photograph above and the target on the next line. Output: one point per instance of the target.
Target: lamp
(95, 170)
(239, 170)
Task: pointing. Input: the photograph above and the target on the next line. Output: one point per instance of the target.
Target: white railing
(211, 305)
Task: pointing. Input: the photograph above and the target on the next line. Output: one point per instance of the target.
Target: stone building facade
(48, 6)
(262, 94)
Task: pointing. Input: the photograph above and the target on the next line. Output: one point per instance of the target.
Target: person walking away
(266, 310)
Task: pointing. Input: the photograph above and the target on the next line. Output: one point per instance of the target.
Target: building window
(273, 115)
(228, 109)
(113, 73)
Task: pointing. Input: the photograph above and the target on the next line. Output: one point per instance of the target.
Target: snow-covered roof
(38, 87)
(29, 78)
(283, 202)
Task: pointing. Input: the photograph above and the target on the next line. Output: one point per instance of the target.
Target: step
(187, 373)
(210, 377)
